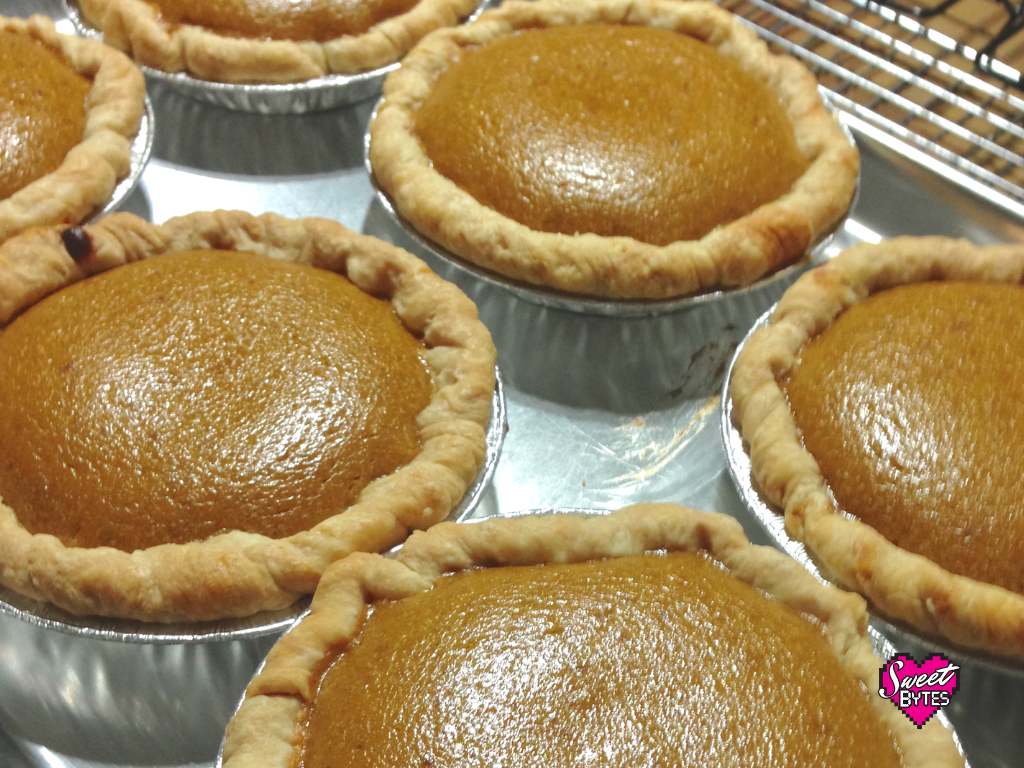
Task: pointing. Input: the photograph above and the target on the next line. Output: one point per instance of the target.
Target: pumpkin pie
(69, 109)
(612, 148)
(197, 418)
(881, 406)
(655, 636)
(268, 41)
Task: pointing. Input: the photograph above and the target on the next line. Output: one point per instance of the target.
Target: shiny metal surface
(50, 617)
(602, 411)
(317, 95)
(595, 305)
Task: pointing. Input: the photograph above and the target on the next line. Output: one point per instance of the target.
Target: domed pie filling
(648, 660)
(656, 635)
(879, 406)
(199, 417)
(627, 150)
(42, 110)
(911, 403)
(190, 394)
(69, 110)
(315, 20)
(608, 129)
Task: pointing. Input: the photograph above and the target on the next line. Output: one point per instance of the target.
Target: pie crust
(91, 170)
(263, 734)
(734, 254)
(135, 27)
(898, 583)
(237, 573)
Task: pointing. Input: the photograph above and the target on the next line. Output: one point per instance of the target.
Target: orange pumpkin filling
(911, 403)
(174, 398)
(652, 660)
(302, 20)
(613, 130)
(42, 111)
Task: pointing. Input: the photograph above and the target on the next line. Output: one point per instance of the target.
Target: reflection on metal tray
(881, 646)
(916, 80)
(319, 94)
(772, 519)
(48, 616)
(544, 296)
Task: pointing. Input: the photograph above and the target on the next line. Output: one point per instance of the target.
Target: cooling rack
(944, 79)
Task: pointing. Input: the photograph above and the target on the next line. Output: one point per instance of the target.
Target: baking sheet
(602, 411)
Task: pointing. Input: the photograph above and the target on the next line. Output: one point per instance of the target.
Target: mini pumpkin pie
(197, 418)
(612, 148)
(269, 41)
(881, 407)
(655, 636)
(69, 109)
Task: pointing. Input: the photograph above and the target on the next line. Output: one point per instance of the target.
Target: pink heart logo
(918, 690)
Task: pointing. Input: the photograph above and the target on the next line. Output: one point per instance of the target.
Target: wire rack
(940, 77)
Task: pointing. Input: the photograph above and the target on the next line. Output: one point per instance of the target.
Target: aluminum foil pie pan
(881, 646)
(319, 94)
(118, 691)
(458, 267)
(772, 520)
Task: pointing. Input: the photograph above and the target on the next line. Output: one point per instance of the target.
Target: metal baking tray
(595, 305)
(881, 646)
(602, 411)
(317, 95)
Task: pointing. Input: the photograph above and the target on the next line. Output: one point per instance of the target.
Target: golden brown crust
(135, 27)
(619, 267)
(236, 574)
(264, 732)
(900, 584)
(90, 172)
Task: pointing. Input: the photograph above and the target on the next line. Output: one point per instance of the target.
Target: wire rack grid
(939, 78)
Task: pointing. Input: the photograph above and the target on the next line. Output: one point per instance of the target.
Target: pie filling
(301, 20)
(641, 661)
(177, 397)
(612, 130)
(42, 111)
(912, 403)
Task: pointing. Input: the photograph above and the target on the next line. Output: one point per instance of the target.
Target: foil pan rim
(880, 644)
(601, 306)
(772, 521)
(48, 616)
(314, 95)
